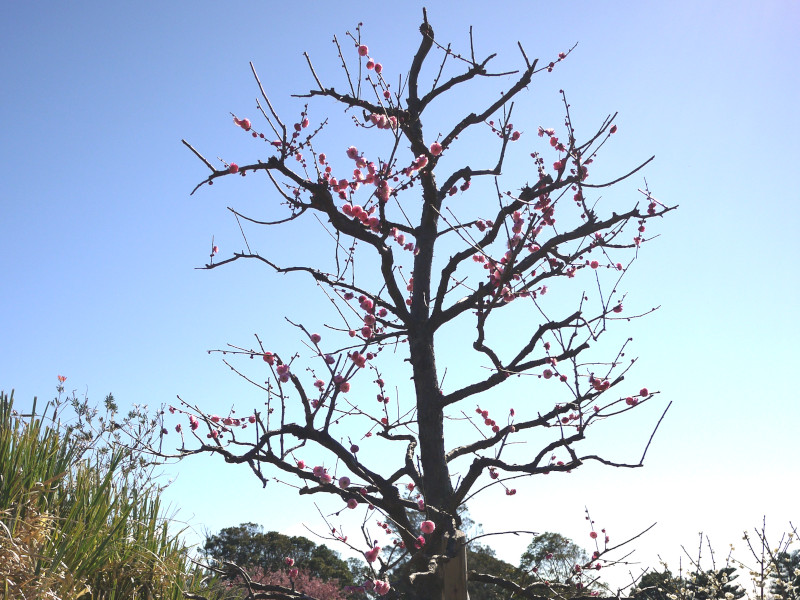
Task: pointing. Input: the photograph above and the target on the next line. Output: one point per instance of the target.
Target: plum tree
(428, 277)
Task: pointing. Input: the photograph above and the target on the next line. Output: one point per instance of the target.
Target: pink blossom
(352, 503)
(233, 168)
(427, 527)
(344, 482)
(363, 50)
(293, 573)
(378, 68)
(315, 337)
(644, 392)
(436, 148)
(372, 554)
(352, 152)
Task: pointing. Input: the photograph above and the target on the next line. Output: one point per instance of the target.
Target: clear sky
(101, 238)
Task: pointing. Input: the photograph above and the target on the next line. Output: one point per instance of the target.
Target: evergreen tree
(659, 585)
(786, 580)
(251, 548)
(553, 557)
(715, 584)
(482, 559)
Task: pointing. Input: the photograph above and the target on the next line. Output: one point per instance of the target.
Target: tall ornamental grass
(72, 527)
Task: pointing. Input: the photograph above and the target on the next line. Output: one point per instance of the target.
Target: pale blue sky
(101, 237)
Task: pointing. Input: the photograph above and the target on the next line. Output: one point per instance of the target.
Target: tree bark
(454, 574)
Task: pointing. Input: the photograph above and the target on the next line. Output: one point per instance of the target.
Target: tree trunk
(454, 571)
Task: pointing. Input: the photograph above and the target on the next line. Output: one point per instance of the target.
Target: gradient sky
(101, 238)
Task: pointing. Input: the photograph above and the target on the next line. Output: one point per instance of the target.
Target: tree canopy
(786, 577)
(553, 557)
(248, 546)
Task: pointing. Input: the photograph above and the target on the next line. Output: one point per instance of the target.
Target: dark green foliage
(552, 557)
(658, 585)
(482, 559)
(786, 581)
(250, 547)
(713, 584)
